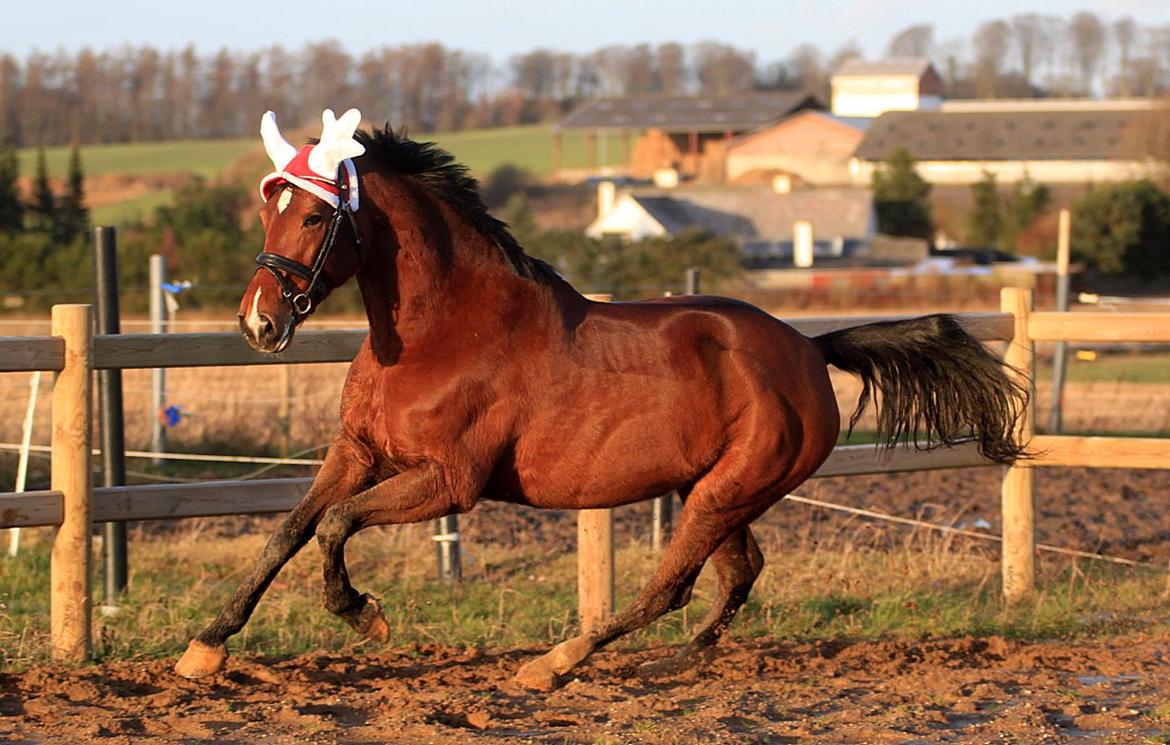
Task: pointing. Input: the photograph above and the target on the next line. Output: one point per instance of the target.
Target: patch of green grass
(528, 147)
(132, 210)
(202, 157)
(180, 580)
(1129, 367)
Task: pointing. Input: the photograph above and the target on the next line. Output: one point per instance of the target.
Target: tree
(1028, 199)
(72, 216)
(1087, 34)
(44, 204)
(985, 221)
(913, 41)
(992, 41)
(1124, 229)
(11, 208)
(901, 197)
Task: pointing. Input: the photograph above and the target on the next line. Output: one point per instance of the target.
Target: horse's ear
(337, 142)
(278, 148)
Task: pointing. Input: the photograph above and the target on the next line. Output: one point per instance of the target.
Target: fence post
(1019, 523)
(595, 565)
(1060, 351)
(158, 376)
(70, 570)
(105, 274)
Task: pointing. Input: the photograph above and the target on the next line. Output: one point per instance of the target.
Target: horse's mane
(450, 181)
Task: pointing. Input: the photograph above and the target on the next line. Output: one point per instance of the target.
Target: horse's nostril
(266, 326)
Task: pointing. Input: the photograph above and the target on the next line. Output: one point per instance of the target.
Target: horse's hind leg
(737, 562)
(700, 532)
(338, 479)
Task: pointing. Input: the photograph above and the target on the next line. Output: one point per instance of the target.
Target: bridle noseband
(302, 303)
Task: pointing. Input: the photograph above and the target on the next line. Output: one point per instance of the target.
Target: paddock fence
(73, 504)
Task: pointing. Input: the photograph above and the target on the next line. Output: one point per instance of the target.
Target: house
(812, 147)
(766, 224)
(673, 132)
(869, 89)
(1064, 141)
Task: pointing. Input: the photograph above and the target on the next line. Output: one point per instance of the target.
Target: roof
(734, 113)
(1000, 135)
(891, 66)
(759, 213)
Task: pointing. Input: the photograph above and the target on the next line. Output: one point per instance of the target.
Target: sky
(771, 28)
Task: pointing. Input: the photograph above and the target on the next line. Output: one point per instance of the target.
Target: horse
(486, 375)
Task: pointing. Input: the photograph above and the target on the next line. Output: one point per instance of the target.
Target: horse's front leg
(340, 477)
(412, 496)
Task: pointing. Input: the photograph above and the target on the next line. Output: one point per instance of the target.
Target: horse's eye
(313, 219)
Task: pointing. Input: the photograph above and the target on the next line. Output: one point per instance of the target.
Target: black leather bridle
(300, 302)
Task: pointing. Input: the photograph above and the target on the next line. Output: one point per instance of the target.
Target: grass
(1128, 367)
(519, 599)
(202, 157)
(529, 147)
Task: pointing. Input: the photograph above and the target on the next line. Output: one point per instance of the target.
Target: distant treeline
(134, 94)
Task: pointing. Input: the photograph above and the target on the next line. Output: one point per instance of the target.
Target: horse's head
(311, 236)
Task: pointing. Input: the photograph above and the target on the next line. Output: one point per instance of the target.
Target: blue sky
(772, 28)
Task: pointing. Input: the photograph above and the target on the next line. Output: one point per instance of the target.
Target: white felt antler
(278, 148)
(337, 142)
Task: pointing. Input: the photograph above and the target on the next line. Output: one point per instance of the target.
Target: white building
(869, 89)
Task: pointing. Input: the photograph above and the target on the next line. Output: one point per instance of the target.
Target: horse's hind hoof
(371, 622)
(537, 675)
(201, 660)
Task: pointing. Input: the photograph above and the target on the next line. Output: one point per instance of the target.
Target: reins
(280, 267)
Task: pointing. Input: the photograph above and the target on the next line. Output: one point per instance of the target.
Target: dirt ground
(967, 690)
(953, 691)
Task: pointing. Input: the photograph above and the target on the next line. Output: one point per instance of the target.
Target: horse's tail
(937, 385)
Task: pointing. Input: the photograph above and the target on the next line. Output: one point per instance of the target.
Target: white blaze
(253, 319)
(283, 200)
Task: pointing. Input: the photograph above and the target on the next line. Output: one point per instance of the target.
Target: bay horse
(486, 375)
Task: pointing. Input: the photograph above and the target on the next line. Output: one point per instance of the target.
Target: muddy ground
(971, 690)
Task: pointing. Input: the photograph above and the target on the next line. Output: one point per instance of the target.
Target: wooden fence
(73, 504)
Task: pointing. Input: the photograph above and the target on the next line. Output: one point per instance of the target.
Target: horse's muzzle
(263, 334)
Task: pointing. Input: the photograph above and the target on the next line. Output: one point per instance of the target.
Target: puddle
(1097, 680)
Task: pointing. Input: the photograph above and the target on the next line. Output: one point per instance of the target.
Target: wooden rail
(73, 503)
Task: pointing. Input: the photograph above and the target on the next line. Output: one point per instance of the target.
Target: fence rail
(74, 504)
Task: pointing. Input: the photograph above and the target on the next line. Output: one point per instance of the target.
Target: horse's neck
(421, 296)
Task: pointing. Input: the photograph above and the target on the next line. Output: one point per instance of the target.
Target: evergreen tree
(72, 216)
(901, 197)
(11, 208)
(985, 221)
(1027, 201)
(1124, 229)
(44, 205)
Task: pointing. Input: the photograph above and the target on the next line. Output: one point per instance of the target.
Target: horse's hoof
(372, 622)
(200, 660)
(537, 674)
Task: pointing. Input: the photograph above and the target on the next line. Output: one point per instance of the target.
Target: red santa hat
(315, 168)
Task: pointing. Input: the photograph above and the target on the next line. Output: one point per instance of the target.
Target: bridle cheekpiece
(325, 170)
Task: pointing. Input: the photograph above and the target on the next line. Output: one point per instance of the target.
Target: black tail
(938, 385)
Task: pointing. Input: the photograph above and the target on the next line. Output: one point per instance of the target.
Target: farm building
(812, 147)
(761, 220)
(1047, 141)
(673, 132)
(869, 89)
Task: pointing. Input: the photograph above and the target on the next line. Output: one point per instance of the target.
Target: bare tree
(912, 41)
(1125, 36)
(1087, 37)
(992, 42)
(671, 68)
(1028, 34)
(722, 69)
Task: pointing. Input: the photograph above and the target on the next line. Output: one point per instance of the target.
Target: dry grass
(926, 586)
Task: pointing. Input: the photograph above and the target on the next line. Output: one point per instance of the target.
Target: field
(112, 169)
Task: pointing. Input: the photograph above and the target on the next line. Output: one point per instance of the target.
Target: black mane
(453, 183)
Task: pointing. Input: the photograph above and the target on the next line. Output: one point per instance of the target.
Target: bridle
(300, 302)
